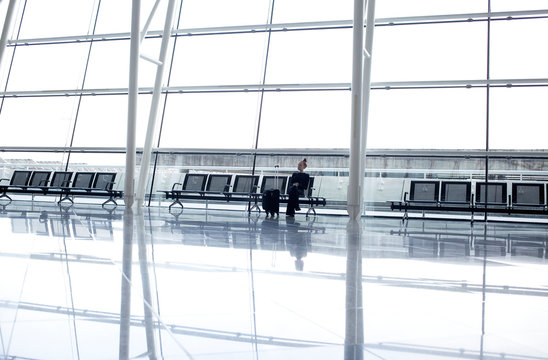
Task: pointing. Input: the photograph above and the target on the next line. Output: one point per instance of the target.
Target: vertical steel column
(6, 28)
(487, 110)
(368, 56)
(145, 161)
(353, 194)
(168, 81)
(133, 93)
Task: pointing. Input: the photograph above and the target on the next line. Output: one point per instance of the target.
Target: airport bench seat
(217, 187)
(62, 183)
(456, 196)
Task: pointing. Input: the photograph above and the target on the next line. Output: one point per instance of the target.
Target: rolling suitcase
(271, 199)
(271, 202)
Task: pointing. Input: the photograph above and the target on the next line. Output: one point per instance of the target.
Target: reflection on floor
(88, 283)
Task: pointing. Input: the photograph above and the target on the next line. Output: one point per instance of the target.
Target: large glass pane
(427, 119)
(397, 8)
(109, 64)
(207, 13)
(221, 59)
(213, 120)
(518, 118)
(512, 5)
(310, 57)
(57, 18)
(48, 67)
(518, 49)
(312, 10)
(305, 120)
(102, 121)
(430, 52)
(42, 121)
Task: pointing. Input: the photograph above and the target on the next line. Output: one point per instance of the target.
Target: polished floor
(88, 283)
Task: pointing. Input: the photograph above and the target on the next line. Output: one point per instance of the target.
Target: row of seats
(236, 184)
(491, 193)
(67, 184)
(474, 196)
(229, 187)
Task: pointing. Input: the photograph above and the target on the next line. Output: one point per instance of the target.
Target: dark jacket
(302, 179)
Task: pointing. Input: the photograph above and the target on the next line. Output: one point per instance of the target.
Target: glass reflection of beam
(483, 297)
(125, 300)
(416, 283)
(397, 347)
(354, 336)
(126, 320)
(147, 298)
(252, 242)
(158, 314)
(64, 234)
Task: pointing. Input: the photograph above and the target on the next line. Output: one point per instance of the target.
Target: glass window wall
(223, 112)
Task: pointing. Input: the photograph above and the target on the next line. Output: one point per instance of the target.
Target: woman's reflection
(297, 242)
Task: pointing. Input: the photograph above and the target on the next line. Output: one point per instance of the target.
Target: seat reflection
(493, 240)
(58, 222)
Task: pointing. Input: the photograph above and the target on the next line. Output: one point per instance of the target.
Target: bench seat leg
(66, 197)
(253, 207)
(177, 201)
(311, 209)
(110, 199)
